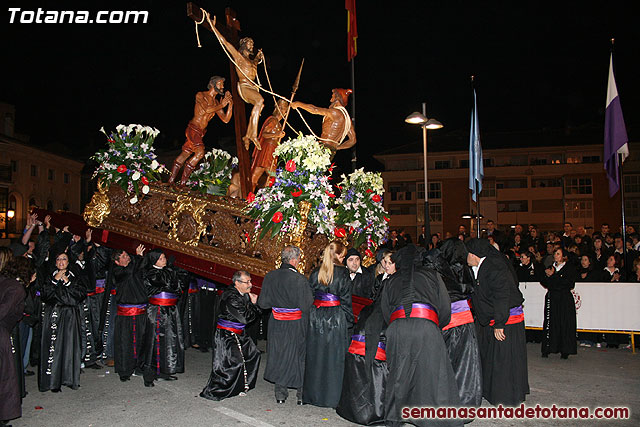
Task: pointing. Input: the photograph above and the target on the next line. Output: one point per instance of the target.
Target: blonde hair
(379, 267)
(329, 256)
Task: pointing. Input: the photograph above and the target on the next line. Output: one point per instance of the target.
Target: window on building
(511, 183)
(538, 161)
(513, 206)
(403, 164)
(5, 173)
(49, 205)
(435, 190)
(574, 159)
(14, 166)
(546, 182)
(402, 190)
(518, 161)
(488, 188)
(463, 164)
(578, 209)
(632, 208)
(402, 209)
(590, 159)
(546, 205)
(487, 163)
(65, 207)
(66, 178)
(4, 199)
(632, 183)
(435, 212)
(51, 175)
(34, 170)
(557, 159)
(420, 191)
(578, 186)
(443, 164)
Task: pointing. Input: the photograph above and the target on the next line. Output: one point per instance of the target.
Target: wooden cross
(230, 32)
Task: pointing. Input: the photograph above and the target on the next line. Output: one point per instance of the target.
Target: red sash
(130, 311)
(294, 314)
(424, 311)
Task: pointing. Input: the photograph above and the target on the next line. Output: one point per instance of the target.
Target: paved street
(596, 377)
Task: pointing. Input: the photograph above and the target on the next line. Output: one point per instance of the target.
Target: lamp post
(421, 119)
(473, 216)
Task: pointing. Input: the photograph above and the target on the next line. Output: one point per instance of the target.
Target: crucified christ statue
(247, 69)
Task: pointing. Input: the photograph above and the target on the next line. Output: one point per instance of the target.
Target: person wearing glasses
(236, 358)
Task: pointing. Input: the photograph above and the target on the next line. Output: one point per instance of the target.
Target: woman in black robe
(528, 270)
(559, 327)
(499, 319)
(12, 295)
(235, 359)
(586, 272)
(61, 346)
(164, 354)
(460, 334)
(416, 306)
(365, 366)
(330, 318)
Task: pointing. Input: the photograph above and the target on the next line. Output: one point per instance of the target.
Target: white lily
(133, 200)
(135, 176)
(120, 128)
(102, 130)
(145, 189)
(154, 165)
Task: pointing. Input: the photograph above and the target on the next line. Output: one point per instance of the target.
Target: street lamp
(11, 213)
(422, 120)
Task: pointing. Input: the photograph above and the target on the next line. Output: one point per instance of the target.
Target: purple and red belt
(325, 299)
(358, 347)
(236, 328)
(131, 309)
(166, 299)
(460, 314)
(99, 288)
(286, 313)
(516, 315)
(421, 310)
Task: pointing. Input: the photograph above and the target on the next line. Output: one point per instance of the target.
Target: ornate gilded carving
(186, 225)
(98, 208)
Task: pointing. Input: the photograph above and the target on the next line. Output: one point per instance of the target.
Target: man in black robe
(236, 358)
(287, 293)
(499, 318)
(132, 329)
(362, 280)
(416, 306)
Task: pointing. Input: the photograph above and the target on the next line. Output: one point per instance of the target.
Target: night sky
(538, 65)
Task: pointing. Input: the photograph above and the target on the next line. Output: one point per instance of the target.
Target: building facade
(546, 186)
(32, 177)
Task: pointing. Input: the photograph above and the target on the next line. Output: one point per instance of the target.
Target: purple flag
(615, 134)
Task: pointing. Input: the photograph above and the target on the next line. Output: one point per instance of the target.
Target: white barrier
(599, 306)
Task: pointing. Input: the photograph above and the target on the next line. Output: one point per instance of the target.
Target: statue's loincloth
(194, 138)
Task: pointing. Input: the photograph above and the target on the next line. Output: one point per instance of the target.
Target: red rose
(340, 232)
(351, 230)
(386, 219)
(368, 253)
(251, 197)
(122, 169)
(376, 198)
(272, 181)
(110, 140)
(296, 193)
(277, 217)
(369, 190)
(290, 166)
(144, 180)
(329, 194)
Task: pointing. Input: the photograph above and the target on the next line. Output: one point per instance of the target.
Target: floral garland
(302, 176)
(359, 210)
(214, 173)
(129, 161)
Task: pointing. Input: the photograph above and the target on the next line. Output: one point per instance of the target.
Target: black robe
(559, 327)
(89, 346)
(164, 355)
(98, 262)
(365, 367)
(504, 363)
(12, 295)
(363, 284)
(420, 373)
(205, 315)
(61, 345)
(460, 338)
(327, 341)
(286, 339)
(236, 358)
(189, 314)
(132, 333)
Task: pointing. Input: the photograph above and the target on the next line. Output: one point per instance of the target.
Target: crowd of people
(442, 325)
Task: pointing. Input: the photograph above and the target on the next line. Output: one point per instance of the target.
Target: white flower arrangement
(129, 160)
(213, 175)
